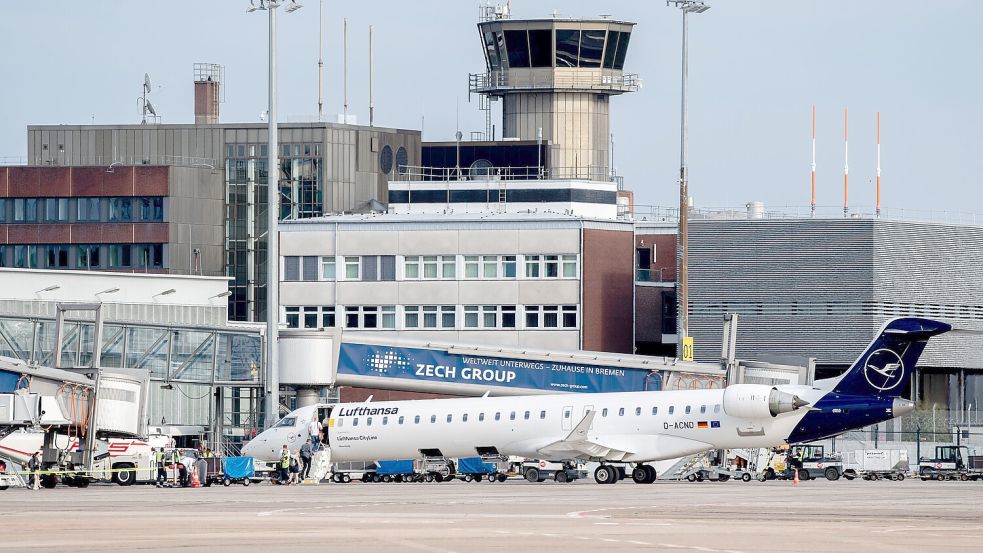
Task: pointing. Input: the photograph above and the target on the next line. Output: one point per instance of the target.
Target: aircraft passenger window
(542, 414)
(368, 422)
(449, 418)
(498, 415)
(354, 422)
(526, 416)
(621, 412)
(400, 421)
(464, 417)
(638, 411)
(433, 419)
(481, 417)
(416, 419)
(716, 408)
(655, 410)
(341, 422)
(385, 421)
(672, 408)
(512, 416)
(688, 409)
(703, 409)
(604, 412)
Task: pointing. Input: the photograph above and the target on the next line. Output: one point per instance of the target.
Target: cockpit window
(287, 421)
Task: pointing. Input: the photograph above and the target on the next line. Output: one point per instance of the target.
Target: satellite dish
(150, 108)
(146, 82)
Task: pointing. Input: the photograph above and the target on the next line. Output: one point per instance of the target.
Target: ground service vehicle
(540, 471)
(951, 462)
(815, 463)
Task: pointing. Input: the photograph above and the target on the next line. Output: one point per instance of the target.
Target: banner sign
(426, 365)
(8, 382)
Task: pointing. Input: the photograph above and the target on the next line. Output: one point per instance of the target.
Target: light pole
(682, 295)
(272, 216)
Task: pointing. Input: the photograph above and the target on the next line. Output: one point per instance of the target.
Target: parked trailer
(487, 469)
(715, 474)
(876, 464)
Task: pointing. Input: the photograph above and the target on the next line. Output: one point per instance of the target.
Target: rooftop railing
(538, 79)
(420, 173)
(757, 212)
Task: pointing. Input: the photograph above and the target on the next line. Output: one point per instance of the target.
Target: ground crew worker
(306, 459)
(284, 465)
(161, 466)
(34, 466)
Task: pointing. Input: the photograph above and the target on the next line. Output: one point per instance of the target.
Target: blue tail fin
(885, 367)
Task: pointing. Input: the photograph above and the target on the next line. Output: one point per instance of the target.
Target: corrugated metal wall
(821, 288)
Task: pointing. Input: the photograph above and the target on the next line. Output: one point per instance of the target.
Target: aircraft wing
(580, 443)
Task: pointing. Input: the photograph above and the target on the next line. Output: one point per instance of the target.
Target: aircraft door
(324, 415)
(566, 422)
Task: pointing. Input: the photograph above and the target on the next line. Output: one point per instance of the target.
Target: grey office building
(325, 168)
(822, 287)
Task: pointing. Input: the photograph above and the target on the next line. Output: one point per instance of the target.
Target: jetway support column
(307, 396)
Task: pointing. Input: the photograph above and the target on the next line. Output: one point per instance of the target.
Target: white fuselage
(630, 426)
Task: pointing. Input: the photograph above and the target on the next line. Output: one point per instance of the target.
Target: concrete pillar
(307, 396)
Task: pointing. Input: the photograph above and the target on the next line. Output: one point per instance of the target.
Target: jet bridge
(314, 359)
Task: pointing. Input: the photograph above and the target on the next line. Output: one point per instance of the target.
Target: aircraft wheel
(746, 477)
(561, 477)
(832, 474)
(640, 474)
(605, 474)
(652, 474)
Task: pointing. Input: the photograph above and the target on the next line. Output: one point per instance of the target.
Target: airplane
(621, 427)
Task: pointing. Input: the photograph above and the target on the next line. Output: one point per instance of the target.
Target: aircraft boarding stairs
(320, 465)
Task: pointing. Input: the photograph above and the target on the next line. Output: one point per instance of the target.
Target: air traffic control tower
(557, 75)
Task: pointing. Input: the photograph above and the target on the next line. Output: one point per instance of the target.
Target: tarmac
(514, 517)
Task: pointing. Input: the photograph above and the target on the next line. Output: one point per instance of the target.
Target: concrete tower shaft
(558, 75)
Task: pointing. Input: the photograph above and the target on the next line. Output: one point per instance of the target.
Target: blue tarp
(404, 466)
(8, 382)
(474, 465)
(239, 467)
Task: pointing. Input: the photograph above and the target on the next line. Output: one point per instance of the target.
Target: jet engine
(759, 401)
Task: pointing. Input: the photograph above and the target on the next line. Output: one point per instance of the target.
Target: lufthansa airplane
(624, 427)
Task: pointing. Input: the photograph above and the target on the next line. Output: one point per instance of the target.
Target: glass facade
(588, 48)
(301, 196)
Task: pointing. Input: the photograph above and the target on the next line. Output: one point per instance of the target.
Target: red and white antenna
(878, 164)
(846, 163)
(813, 204)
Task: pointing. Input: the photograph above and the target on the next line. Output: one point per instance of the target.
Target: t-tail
(885, 368)
(870, 391)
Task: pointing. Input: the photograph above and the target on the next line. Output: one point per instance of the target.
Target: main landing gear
(609, 474)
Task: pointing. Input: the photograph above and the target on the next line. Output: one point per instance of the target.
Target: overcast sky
(756, 68)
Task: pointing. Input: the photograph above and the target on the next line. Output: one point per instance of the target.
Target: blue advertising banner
(8, 382)
(438, 366)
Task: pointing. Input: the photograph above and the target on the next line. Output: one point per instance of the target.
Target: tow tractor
(816, 463)
(951, 462)
(540, 471)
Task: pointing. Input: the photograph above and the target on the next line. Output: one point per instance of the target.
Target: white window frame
(329, 263)
(411, 261)
(472, 261)
(569, 261)
(356, 262)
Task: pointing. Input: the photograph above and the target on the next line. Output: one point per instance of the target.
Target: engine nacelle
(759, 401)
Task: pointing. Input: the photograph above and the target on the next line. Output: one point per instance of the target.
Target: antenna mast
(813, 204)
(846, 163)
(878, 165)
(345, 55)
(371, 102)
(320, 62)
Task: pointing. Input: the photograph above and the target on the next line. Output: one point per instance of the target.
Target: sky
(756, 69)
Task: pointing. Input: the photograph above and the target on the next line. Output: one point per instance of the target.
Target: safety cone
(196, 483)
(795, 480)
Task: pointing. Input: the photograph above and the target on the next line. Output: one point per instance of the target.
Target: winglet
(579, 434)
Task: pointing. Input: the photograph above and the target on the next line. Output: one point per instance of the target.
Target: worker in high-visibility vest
(161, 466)
(284, 465)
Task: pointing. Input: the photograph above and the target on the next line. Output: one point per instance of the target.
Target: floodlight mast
(272, 217)
(682, 294)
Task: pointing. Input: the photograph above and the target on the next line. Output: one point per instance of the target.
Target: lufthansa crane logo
(884, 369)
